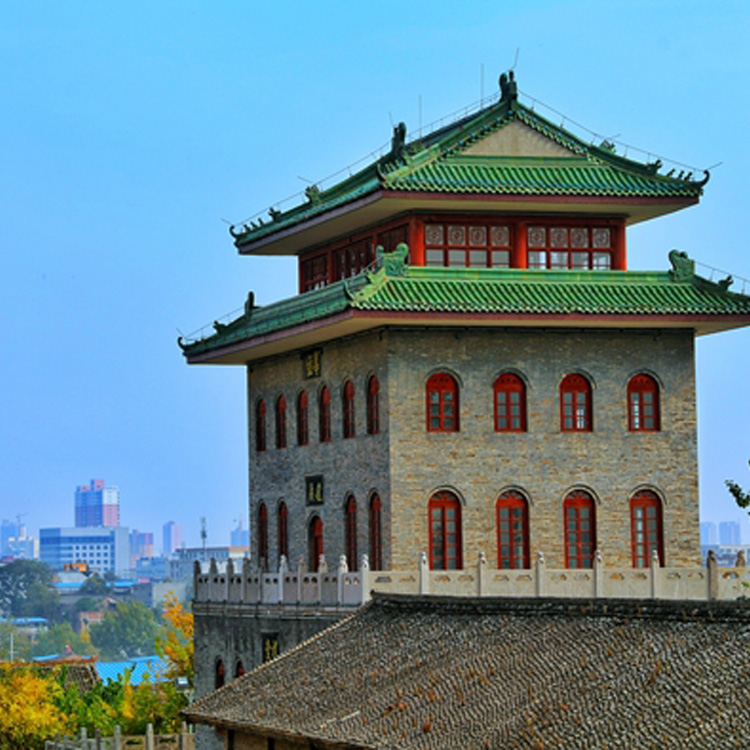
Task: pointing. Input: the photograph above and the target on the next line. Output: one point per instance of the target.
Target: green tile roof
(438, 163)
(397, 288)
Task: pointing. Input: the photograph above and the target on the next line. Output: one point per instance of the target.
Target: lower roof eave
(275, 733)
(351, 322)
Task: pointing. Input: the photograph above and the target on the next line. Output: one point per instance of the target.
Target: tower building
(97, 504)
(470, 369)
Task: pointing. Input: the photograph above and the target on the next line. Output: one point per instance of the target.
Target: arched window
(324, 415)
(445, 532)
(239, 669)
(376, 536)
(263, 536)
(315, 542)
(643, 404)
(580, 529)
(350, 532)
(302, 429)
(575, 404)
(260, 426)
(645, 528)
(442, 403)
(283, 530)
(219, 674)
(347, 411)
(510, 404)
(281, 422)
(512, 513)
(373, 406)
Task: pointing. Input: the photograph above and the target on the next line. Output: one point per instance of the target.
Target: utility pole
(204, 535)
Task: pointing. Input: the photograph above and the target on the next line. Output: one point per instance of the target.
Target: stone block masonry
(405, 464)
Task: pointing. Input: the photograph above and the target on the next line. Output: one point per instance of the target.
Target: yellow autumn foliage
(28, 714)
(175, 640)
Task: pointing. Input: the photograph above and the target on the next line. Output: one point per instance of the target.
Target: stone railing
(246, 584)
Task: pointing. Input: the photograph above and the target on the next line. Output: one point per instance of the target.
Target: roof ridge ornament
(683, 267)
(508, 87)
(393, 263)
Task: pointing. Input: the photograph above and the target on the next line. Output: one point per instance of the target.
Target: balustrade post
(598, 574)
(481, 574)
(150, 737)
(540, 571)
(247, 571)
(117, 739)
(713, 575)
(657, 576)
(365, 580)
(301, 570)
(424, 574)
(283, 572)
(322, 572)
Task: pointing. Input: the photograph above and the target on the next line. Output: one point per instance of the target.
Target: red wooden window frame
(579, 523)
(260, 426)
(239, 669)
(444, 522)
(347, 411)
(441, 394)
(566, 246)
(281, 422)
(373, 406)
(219, 674)
(512, 519)
(283, 530)
(646, 534)
(469, 243)
(510, 403)
(303, 432)
(324, 415)
(350, 532)
(643, 404)
(376, 533)
(575, 404)
(315, 542)
(263, 536)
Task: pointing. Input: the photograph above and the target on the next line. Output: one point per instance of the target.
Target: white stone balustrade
(239, 582)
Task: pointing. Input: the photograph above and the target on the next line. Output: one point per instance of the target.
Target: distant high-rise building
(729, 532)
(708, 533)
(141, 545)
(8, 530)
(240, 537)
(103, 549)
(97, 505)
(171, 538)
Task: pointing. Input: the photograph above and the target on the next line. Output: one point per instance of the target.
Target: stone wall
(405, 464)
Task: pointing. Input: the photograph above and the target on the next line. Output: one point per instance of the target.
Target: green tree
(16, 578)
(130, 630)
(14, 645)
(94, 585)
(41, 600)
(741, 497)
(57, 639)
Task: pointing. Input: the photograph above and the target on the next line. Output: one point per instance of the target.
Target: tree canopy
(741, 497)
(129, 630)
(16, 581)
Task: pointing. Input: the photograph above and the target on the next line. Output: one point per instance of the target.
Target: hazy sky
(132, 131)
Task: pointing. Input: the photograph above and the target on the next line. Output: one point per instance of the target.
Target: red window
(260, 426)
(239, 669)
(643, 404)
(302, 429)
(645, 528)
(219, 674)
(577, 248)
(445, 532)
(376, 544)
(575, 404)
(315, 542)
(512, 531)
(373, 406)
(324, 415)
(281, 422)
(580, 529)
(482, 245)
(263, 536)
(350, 530)
(442, 403)
(348, 409)
(510, 404)
(283, 530)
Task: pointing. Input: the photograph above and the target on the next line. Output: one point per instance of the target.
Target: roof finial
(508, 87)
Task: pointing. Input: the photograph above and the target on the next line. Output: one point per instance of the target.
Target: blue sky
(132, 132)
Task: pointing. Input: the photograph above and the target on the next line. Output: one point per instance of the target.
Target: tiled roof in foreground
(442, 673)
(398, 289)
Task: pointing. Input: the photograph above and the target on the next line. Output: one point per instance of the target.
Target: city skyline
(134, 135)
